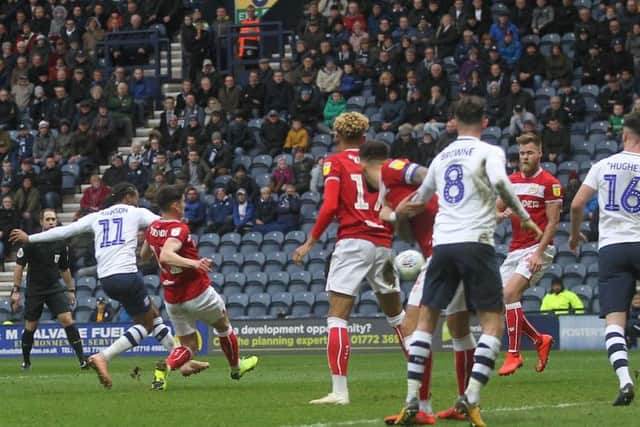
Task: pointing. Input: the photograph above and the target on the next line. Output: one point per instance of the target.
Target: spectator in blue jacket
(501, 26)
(243, 212)
(466, 44)
(220, 213)
(24, 142)
(350, 82)
(510, 49)
(141, 92)
(194, 210)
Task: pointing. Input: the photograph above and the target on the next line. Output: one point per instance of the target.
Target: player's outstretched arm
(584, 194)
(401, 223)
(83, 225)
(427, 187)
(145, 251)
(169, 255)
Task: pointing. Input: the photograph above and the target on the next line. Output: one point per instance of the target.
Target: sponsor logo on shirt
(397, 165)
(326, 168)
(557, 190)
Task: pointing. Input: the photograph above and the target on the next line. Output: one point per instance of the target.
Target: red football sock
(229, 346)
(338, 349)
(515, 320)
(178, 357)
(464, 364)
(530, 330)
(401, 339)
(425, 388)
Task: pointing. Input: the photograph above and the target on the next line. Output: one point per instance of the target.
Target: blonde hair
(529, 138)
(351, 125)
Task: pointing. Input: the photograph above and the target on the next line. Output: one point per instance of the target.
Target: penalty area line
(489, 410)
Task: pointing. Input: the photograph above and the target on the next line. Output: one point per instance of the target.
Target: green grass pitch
(576, 390)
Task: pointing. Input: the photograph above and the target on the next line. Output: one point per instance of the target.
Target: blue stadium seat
(278, 282)
(89, 303)
(275, 261)
(493, 131)
(592, 278)
(302, 304)
(216, 259)
(593, 109)
(550, 167)
(231, 263)
(299, 281)
(69, 183)
(281, 303)
(310, 198)
(547, 41)
(209, 239)
(544, 283)
(321, 306)
(566, 167)
(83, 292)
(81, 315)
(590, 90)
(323, 139)
(207, 252)
(6, 311)
(589, 253)
(263, 180)
(293, 267)
(368, 303)
(309, 213)
(606, 148)
(318, 151)
(237, 305)
(86, 282)
(554, 271)
(243, 160)
(318, 281)
(600, 127)
(157, 301)
(256, 283)
(564, 256)
(585, 293)
(253, 262)
(251, 240)
(229, 243)
(258, 305)
(573, 275)
(544, 93)
(595, 305)
(356, 103)
(531, 304)
(597, 138)
(535, 291)
(583, 151)
(531, 38)
(292, 240)
(217, 280)
(255, 123)
(221, 181)
(387, 137)
(272, 241)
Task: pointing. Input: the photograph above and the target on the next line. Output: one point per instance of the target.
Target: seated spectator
(350, 82)
(572, 101)
(329, 76)
(530, 70)
(557, 65)
(556, 143)
(94, 197)
(302, 166)
(159, 181)
(518, 119)
(239, 135)
(335, 106)
(542, 20)
(510, 49)
(632, 329)
(518, 96)
(252, 98)
(162, 166)
(194, 210)
(121, 108)
(240, 179)
(570, 191)
(616, 121)
(135, 153)
(282, 175)
(8, 177)
(427, 148)
(194, 169)
(102, 313)
(27, 202)
(288, 210)
(297, 137)
(24, 142)
(243, 212)
(229, 95)
(555, 110)
(316, 184)
(27, 171)
(218, 158)
(45, 144)
(138, 176)
(141, 92)
(103, 133)
(495, 105)
(151, 151)
(8, 221)
(278, 94)
(309, 108)
(273, 133)
(8, 111)
(612, 94)
(393, 112)
(64, 142)
(220, 213)
(437, 106)
(50, 184)
(405, 146)
(116, 173)
(561, 301)
(265, 209)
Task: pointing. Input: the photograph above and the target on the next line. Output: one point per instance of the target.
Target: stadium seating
(281, 303)
(237, 305)
(302, 304)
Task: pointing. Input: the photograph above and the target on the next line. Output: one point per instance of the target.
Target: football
(408, 264)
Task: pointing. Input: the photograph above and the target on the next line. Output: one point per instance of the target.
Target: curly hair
(351, 124)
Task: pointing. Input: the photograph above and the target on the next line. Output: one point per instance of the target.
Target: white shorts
(518, 262)
(208, 307)
(457, 304)
(352, 261)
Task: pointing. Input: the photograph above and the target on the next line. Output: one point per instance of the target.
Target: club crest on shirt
(175, 232)
(533, 189)
(397, 165)
(557, 190)
(326, 168)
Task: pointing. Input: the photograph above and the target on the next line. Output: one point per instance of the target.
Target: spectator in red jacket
(93, 197)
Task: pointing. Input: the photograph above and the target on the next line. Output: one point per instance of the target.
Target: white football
(408, 264)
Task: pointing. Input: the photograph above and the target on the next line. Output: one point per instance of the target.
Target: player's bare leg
(618, 356)
(463, 346)
(73, 336)
(27, 343)
(517, 323)
(338, 348)
(484, 360)
(229, 344)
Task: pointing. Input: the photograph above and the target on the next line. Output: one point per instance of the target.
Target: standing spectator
(102, 132)
(555, 141)
(116, 173)
(27, 202)
(194, 210)
(273, 133)
(297, 137)
(50, 184)
(220, 213)
(243, 212)
(446, 37)
(141, 92)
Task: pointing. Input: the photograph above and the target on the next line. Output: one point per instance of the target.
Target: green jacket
(120, 107)
(333, 109)
(562, 302)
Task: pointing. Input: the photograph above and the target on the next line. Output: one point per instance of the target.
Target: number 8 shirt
(357, 210)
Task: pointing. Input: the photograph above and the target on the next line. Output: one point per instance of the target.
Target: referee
(46, 260)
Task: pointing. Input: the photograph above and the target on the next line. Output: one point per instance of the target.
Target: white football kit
(115, 232)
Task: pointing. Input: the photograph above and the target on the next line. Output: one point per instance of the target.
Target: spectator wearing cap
(27, 171)
(209, 71)
(239, 135)
(80, 85)
(405, 146)
(593, 66)
(94, 33)
(240, 179)
(229, 95)
(102, 132)
(265, 73)
(27, 202)
(542, 18)
(50, 184)
(102, 313)
(519, 116)
(45, 143)
(243, 212)
(273, 133)
(312, 35)
(617, 58)
(220, 213)
(84, 112)
(556, 144)
(194, 210)
(8, 111)
(192, 129)
(510, 49)
(191, 108)
(115, 173)
(501, 26)
(24, 142)
(427, 145)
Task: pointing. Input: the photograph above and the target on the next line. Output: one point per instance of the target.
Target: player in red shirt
(363, 249)
(187, 290)
(397, 180)
(541, 195)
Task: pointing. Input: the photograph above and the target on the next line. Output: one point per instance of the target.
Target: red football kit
(397, 175)
(347, 198)
(534, 193)
(179, 284)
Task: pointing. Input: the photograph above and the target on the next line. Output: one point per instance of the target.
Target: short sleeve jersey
(397, 184)
(179, 284)
(535, 193)
(616, 179)
(45, 261)
(358, 210)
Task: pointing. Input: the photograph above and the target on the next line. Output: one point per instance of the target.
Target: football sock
(178, 357)
(27, 344)
(131, 338)
(464, 349)
(418, 354)
(424, 394)
(515, 318)
(73, 336)
(617, 350)
(229, 346)
(163, 334)
(338, 349)
(484, 363)
(396, 323)
(530, 330)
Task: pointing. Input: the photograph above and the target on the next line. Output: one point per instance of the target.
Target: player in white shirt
(468, 175)
(615, 181)
(115, 232)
